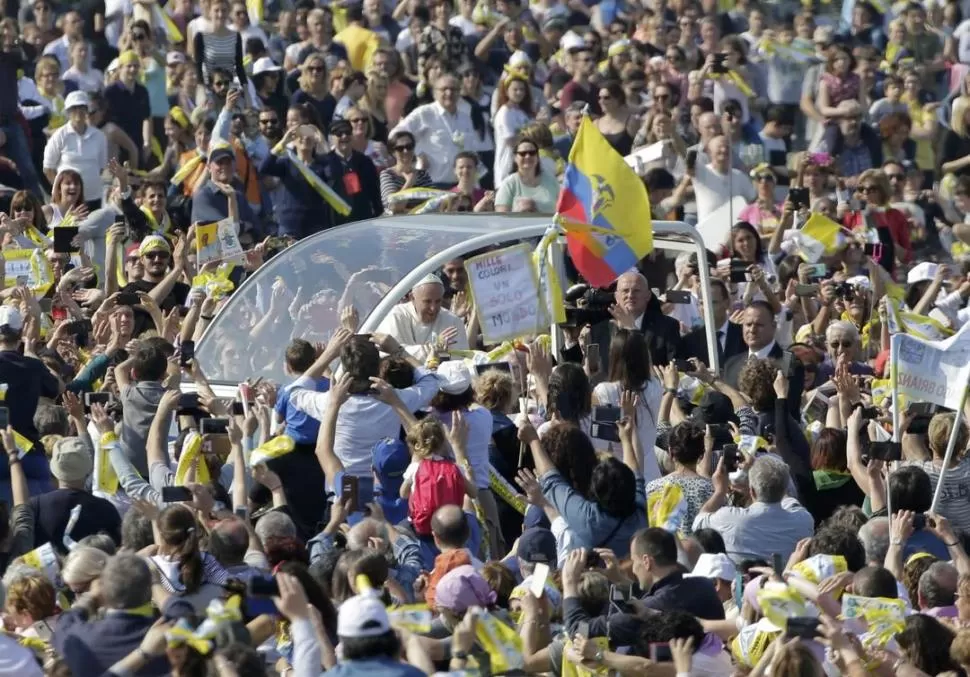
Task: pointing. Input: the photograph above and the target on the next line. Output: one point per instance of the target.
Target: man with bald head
(717, 182)
(637, 308)
(421, 325)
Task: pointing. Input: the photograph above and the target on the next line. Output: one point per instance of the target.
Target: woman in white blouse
(514, 112)
(629, 369)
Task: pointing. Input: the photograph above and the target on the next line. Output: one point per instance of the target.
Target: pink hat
(462, 588)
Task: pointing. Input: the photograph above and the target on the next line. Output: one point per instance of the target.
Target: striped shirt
(220, 51)
(392, 182)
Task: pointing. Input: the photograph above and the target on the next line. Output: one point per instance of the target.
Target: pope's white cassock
(404, 323)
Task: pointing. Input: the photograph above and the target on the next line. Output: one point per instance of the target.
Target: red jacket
(893, 220)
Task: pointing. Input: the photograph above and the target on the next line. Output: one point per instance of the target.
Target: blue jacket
(91, 647)
(385, 667)
(300, 210)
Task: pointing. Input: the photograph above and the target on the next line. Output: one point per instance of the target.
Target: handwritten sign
(28, 267)
(506, 292)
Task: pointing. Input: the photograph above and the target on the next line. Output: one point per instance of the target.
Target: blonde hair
(49, 63)
(941, 426)
(958, 116)
(426, 437)
(494, 389)
(83, 565)
(878, 177)
(304, 79)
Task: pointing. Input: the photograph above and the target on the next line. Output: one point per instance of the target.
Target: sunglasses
(404, 148)
(156, 255)
(342, 133)
(661, 97)
(138, 36)
(220, 83)
(314, 69)
(764, 178)
(841, 344)
(526, 153)
(868, 189)
(895, 177)
(269, 121)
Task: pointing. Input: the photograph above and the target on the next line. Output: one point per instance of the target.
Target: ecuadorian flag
(604, 209)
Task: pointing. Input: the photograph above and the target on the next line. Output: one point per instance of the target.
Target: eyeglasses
(156, 255)
(220, 83)
(764, 178)
(841, 344)
(404, 148)
(661, 97)
(526, 153)
(314, 69)
(341, 133)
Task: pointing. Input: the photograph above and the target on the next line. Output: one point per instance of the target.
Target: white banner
(506, 292)
(931, 371)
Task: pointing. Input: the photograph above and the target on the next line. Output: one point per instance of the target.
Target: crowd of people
(623, 497)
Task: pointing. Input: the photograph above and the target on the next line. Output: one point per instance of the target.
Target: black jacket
(694, 344)
(362, 193)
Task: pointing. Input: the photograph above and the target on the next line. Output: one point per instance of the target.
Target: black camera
(587, 305)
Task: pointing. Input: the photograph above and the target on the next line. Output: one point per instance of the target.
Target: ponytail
(190, 562)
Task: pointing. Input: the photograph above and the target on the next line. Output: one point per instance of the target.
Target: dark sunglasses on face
(220, 83)
(404, 148)
(156, 255)
(895, 177)
(526, 153)
(314, 69)
(269, 121)
(138, 36)
(868, 189)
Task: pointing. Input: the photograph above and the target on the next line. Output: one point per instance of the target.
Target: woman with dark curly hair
(686, 447)
(926, 644)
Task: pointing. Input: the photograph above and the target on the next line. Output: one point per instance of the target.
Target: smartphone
(606, 414)
(539, 577)
(739, 590)
(817, 409)
(691, 159)
(872, 250)
(806, 290)
(186, 353)
(176, 495)
(803, 627)
(128, 299)
(777, 564)
(720, 430)
(4, 418)
(660, 652)
(242, 512)
(594, 561)
(348, 487)
(869, 413)
(583, 629)
(263, 586)
(188, 402)
(604, 431)
(922, 408)
(684, 366)
(237, 408)
(497, 366)
(63, 238)
(798, 197)
(593, 353)
(678, 296)
(214, 426)
(738, 275)
(619, 598)
(80, 328)
(103, 399)
(58, 313)
(816, 271)
(718, 66)
(886, 451)
(732, 457)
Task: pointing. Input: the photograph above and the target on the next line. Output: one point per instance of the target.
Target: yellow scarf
(326, 192)
(160, 228)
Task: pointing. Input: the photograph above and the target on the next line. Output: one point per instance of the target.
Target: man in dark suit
(730, 341)
(636, 308)
(353, 175)
(758, 332)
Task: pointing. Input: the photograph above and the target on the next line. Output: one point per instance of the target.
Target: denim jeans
(18, 150)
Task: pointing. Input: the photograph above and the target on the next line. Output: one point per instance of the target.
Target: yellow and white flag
(931, 371)
(820, 236)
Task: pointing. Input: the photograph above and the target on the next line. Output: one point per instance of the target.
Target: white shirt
(363, 421)
(962, 35)
(91, 80)
(61, 48)
(763, 353)
(608, 394)
(404, 324)
(508, 121)
(467, 26)
(713, 189)
(85, 153)
(440, 136)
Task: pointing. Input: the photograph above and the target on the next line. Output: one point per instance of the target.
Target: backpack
(436, 483)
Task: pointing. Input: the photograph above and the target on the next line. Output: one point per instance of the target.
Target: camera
(587, 305)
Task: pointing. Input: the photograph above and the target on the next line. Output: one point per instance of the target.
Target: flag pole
(894, 385)
(950, 446)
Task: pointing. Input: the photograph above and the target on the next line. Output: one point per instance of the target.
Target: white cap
(860, 281)
(430, 278)
(113, 66)
(454, 377)
(520, 58)
(921, 272)
(76, 99)
(11, 317)
(714, 565)
(174, 57)
(362, 616)
(570, 40)
(264, 64)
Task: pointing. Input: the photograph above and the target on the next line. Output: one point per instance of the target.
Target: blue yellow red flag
(603, 208)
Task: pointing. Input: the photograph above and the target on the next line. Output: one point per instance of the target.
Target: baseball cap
(714, 565)
(71, 460)
(462, 588)
(362, 616)
(535, 517)
(341, 127)
(391, 458)
(454, 377)
(714, 407)
(173, 58)
(537, 545)
(11, 317)
(77, 99)
(219, 151)
(922, 272)
(154, 243)
(265, 64)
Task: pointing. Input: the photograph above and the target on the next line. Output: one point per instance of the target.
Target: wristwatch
(599, 656)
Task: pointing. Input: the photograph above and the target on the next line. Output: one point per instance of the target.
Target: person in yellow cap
(158, 281)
